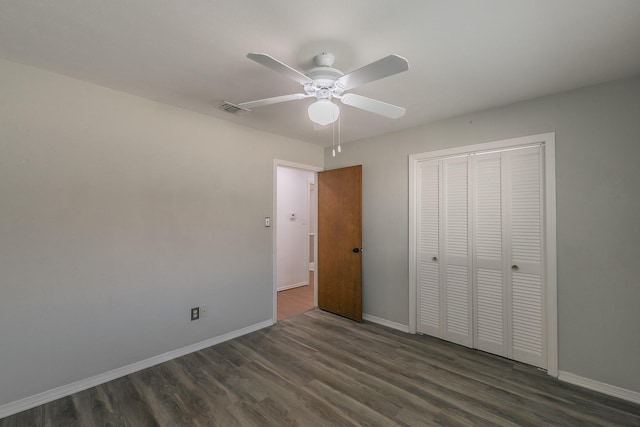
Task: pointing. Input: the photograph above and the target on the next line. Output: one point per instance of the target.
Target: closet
(479, 250)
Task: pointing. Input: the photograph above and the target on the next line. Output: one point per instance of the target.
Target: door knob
(514, 267)
(356, 250)
(435, 258)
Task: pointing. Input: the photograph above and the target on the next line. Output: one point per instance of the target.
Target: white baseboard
(385, 322)
(66, 390)
(295, 285)
(611, 390)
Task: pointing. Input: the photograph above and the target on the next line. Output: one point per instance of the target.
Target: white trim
(551, 277)
(604, 388)
(385, 322)
(486, 147)
(295, 285)
(413, 256)
(66, 390)
(548, 140)
(274, 225)
(294, 165)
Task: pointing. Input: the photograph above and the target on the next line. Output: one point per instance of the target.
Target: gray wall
(117, 214)
(598, 217)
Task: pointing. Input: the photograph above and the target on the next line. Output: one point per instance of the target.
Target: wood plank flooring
(317, 369)
(297, 300)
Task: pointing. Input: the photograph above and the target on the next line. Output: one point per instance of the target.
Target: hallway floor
(297, 300)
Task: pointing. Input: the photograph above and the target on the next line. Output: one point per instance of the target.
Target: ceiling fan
(325, 83)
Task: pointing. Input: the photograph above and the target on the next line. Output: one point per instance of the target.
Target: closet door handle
(435, 258)
(514, 267)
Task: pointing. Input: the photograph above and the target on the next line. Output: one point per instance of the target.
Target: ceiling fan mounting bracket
(324, 59)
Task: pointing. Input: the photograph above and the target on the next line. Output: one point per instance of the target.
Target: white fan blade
(280, 67)
(267, 101)
(373, 106)
(385, 67)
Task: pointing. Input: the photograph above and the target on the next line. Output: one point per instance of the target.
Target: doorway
(295, 247)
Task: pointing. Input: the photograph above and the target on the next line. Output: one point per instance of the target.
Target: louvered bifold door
(428, 249)
(455, 249)
(525, 268)
(489, 286)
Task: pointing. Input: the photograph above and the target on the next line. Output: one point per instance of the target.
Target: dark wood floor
(317, 369)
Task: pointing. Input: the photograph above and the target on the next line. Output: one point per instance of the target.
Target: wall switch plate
(195, 313)
(267, 221)
(203, 311)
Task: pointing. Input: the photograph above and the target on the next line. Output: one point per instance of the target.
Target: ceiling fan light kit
(323, 112)
(324, 83)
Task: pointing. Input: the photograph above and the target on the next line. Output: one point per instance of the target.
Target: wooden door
(340, 241)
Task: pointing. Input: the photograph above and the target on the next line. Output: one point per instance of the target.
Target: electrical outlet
(195, 313)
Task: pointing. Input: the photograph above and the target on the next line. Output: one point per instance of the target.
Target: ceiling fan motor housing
(324, 77)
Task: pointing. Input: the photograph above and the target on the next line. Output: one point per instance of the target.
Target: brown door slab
(340, 241)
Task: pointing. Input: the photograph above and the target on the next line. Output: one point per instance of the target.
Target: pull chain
(339, 148)
(333, 138)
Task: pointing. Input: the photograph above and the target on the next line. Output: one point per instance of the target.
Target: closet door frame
(547, 140)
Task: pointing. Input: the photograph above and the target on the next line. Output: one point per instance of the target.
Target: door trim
(274, 226)
(551, 314)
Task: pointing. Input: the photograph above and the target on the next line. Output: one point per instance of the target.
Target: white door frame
(551, 315)
(274, 225)
(311, 197)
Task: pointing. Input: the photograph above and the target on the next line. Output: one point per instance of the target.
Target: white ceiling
(464, 55)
